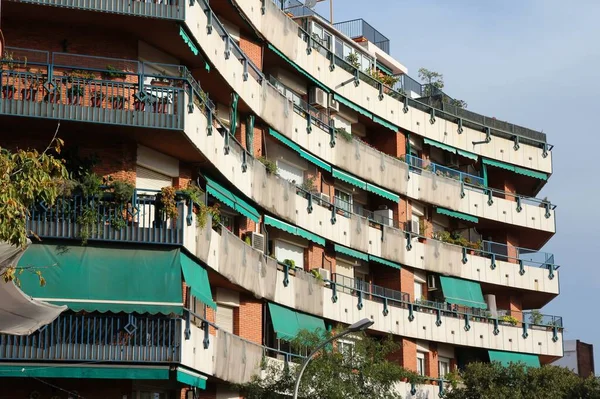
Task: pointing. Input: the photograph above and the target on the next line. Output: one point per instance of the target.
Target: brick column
(409, 354)
(248, 320)
(253, 50)
(431, 362)
(407, 282)
(184, 178)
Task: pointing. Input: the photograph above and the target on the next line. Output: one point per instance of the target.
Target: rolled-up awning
(457, 215)
(303, 154)
(348, 178)
(86, 372)
(517, 169)
(351, 252)
(106, 279)
(190, 378)
(462, 292)
(231, 200)
(287, 323)
(439, 145)
(19, 313)
(506, 358)
(197, 278)
(297, 231)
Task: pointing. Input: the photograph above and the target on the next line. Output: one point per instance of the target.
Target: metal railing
(90, 89)
(162, 9)
(139, 220)
(439, 170)
(99, 338)
(537, 319)
(529, 257)
(360, 28)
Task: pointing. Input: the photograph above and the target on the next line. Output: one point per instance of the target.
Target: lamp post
(356, 327)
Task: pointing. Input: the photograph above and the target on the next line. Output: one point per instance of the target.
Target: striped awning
(231, 200)
(289, 228)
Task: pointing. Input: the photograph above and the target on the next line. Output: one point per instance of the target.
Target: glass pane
(339, 48)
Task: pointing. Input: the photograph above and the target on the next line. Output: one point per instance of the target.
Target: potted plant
(96, 98)
(113, 72)
(118, 102)
(30, 90)
(75, 94)
(509, 320)
(53, 96)
(290, 263)
(138, 105)
(269, 165)
(8, 92)
(161, 105)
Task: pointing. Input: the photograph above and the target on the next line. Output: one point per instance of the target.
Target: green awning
(190, 378)
(531, 173)
(105, 279)
(353, 106)
(385, 123)
(498, 164)
(196, 277)
(442, 146)
(351, 252)
(506, 358)
(383, 193)
(297, 231)
(457, 215)
(348, 178)
(85, 372)
(467, 154)
(296, 67)
(188, 41)
(384, 68)
(385, 262)
(233, 112)
(462, 292)
(309, 157)
(231, 200)
(287, 323)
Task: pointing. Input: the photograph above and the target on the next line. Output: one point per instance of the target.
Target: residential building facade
(579, 357)
(245, 170)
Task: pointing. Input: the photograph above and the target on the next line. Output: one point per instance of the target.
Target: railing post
(432, 116)
(460, 126)
(521, 267)
(334, 296)
(519, 207)
(263, 8)
(380, 91)
(245, 74)
(467, 324)
(493, 262)
(496, 329)
(554, 334)
(438, 317)
(286, 275)
(226, 147)
(516, 146)
(333, 214)
(227, 47)
(405, 108)
(190, 212)
(209, 117)
(490, 200)
(331, 133)
(413, 388)
(385, 307)
(331, 57)
(206, 340)
(308, 43)
(411, 310)
(360, 305)
(551, 271)
(308, 122)
(244, 161)
(462, 189)
(408, 237)
(488, 135)
(309, 208)
(525, 333)
(464, 255)
(209, 26)
(187, 332)
(547, 206)
(545, 150)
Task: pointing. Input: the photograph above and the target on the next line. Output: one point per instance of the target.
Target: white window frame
(446, 361)
(343, 345)
(421, 363)
(420, 285)
(347, 205)
(285, 242)
(291, 165)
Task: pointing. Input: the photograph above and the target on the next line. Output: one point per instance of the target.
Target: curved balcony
(510, 143)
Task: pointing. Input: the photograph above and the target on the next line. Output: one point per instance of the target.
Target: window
(443, 366)
(290, 172)
(345, 347)
(418, 291)
(227, 221)
(285, 250)
(343, 200)
(421, 363)
(224, 318)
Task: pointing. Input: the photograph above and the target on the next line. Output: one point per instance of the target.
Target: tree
(26, 177)
(434, 83)
(365, 371)
(494, 381)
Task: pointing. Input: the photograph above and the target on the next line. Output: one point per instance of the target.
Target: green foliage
(433, 81)
(309, 184)
(510, 320)
(168, 202)
(88, 222)
(27, 177)
(456, 239)
(290, 262)
(352, 59)
(493, 381)
(91, 184)
(388, 80)
(344, 134)
(457, 103)
(75, 90)
(270, 165)
(113, 72)
(536, 317)
(316, 274)
(365, 372)
(122, 190)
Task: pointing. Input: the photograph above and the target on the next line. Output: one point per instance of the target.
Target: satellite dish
(310, 3)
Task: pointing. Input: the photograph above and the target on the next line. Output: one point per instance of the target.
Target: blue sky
(534, 63)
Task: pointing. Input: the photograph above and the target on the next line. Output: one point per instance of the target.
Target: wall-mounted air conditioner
(415, 227)
(258, 242)
(318, 98)
(431, 283)
(334, 105)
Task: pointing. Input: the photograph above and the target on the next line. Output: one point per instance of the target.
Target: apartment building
(339, 197)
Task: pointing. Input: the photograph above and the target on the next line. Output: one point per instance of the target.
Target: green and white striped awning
(303, 154)
(296, 67)
(348, 178)
(297, 231)
(231, 200)
(457, 215)
(516, 169)
(351, 252)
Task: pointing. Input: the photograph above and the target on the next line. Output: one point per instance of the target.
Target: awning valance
(385, 123)
(462, 292)
(385, 262)
(105, 279)
(383, 193)
(231, 200)
(353, 106)
(86, 372)
(467, 154)
(506, 358)
(516, 169)
(296, 67)
(300, 232)
(439, 145)
(196, 278)
(457, 215)
(309, 157)
(351, 252)
(287, 323)
(348, 178)
(190, 378)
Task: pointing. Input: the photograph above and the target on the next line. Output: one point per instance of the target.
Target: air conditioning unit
(415, 227)
(323, 199)
(258, 242)
(317, 98)
(384, 216)
(334, 105)
(431, 283)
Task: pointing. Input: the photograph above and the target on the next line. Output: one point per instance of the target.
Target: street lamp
(360, 325)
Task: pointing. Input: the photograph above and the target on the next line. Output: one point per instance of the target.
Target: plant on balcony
(388, 80)
(168, 202)
(96, 98)
(30, 88)
(536, 317)
(88, 222)
(290, 263)
(53, 96)
(341, 132)
(118, 102)
(122, 191)
(77, 75)
(8, 92)
(352, 59)
(308, 185)
(11, 62)
(75, 94)
(456, 239)
(513, 321)
(90, 185)
(113, 72)
(269, 165)
(316, 274)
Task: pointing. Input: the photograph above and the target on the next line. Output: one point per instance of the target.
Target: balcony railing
(389, 297)
(439, 170)
(91, 89)
(140, 220)
(162, 9)
(529, 257)
(358, 28)
(99, 338)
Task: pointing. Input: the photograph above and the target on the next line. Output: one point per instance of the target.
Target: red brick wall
(246, 226)
(431, 361)
(248, 319)
(585, 359)
(185, 176)
(391, 143)
(386, 277)
(407, 282)
(409, 354)
(253, 50)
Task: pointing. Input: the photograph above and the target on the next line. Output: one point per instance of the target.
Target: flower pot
(96, 102)
(139, 105)
(8, 92)
(52, 98)
(118, 103)
(29, 94)
(74, 99)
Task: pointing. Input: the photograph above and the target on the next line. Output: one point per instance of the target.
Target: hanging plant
(169, 205)
(344, 134)
(270, 165)
(123, 191)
